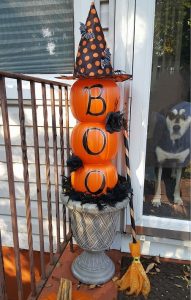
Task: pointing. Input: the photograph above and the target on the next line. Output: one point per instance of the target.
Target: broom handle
(133, 228)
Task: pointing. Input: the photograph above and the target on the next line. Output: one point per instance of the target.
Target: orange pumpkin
(92, 99)
(94, 179)
(92, 143)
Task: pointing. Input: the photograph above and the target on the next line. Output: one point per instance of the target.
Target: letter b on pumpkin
(92, 99)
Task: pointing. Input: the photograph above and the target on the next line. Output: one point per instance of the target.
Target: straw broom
(135, 280)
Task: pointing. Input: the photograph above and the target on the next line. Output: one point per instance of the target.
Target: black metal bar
(10, 173)
(38, 178)
(67, 124)
(26, 184)
(68, 154)
(3, 292)
(48, 182)
(61, 131)
(62, 154)
(55, 166)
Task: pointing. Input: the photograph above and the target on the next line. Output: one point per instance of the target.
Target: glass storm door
(167, 167)
(161, 117)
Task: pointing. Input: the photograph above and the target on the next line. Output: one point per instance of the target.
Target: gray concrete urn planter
(94, 231)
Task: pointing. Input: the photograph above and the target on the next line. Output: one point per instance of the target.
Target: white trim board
(165, 223)
(154, 246)
(144, 30)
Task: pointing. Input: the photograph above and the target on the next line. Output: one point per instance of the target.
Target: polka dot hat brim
(116, 77)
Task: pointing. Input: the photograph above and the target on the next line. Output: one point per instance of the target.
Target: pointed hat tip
(99, 64)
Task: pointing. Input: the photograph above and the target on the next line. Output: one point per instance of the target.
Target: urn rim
(92, 208)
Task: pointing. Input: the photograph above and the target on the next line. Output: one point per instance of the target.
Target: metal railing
(63, 113)
(3, 293)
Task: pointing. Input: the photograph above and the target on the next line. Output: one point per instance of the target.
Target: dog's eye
(171, 115)
(183, 117)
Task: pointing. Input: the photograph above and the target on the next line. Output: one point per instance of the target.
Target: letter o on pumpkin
(92, 143)
(94, 179)
(92, 99)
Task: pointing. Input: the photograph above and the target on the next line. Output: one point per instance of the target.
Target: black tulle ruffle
(121, 191)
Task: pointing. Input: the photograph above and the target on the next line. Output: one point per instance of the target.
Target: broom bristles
(135, 280)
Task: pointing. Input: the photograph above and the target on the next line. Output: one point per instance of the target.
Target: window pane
(36, 36)
(168, 169)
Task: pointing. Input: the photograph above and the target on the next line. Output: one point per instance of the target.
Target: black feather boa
(121, 191)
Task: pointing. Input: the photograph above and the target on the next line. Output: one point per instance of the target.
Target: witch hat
(93, 56)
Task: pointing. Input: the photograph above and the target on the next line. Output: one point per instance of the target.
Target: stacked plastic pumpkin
(91, 102)
(95, 104)
(94, 142)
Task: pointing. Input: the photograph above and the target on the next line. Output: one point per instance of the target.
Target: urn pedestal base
(94, 231)
(93, 267)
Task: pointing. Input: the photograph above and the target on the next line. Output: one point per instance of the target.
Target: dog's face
(177, 123)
